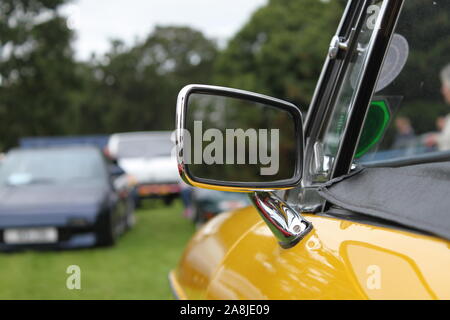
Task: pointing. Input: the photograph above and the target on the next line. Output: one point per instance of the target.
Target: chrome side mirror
(235, 140)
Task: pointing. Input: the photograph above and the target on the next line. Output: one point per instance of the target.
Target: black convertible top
(415, 196)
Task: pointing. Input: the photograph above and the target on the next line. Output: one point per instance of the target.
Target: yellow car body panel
(235, 256)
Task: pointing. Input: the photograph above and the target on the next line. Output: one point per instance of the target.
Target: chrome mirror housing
(235, 140)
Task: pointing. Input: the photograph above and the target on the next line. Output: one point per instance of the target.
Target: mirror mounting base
(287, 225)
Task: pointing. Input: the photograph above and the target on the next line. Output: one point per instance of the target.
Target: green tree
(280, 51)
(429, 43)
(136, 88)
(37, 72)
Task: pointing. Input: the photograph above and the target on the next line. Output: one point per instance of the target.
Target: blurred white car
(147, 157)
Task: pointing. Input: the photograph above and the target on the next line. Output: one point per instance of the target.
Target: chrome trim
(361, 86)
(179, 132)
(286, 224)
(336, 45)
(333, 71)
(324, 77)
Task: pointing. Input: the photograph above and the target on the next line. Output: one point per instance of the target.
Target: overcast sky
(98, 21)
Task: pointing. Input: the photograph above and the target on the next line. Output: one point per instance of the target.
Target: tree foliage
(281, 50)
(425, 26)
(44, 91)
(136, 88)
(37, 71)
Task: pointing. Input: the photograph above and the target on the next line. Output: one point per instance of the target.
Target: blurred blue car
(63, 197)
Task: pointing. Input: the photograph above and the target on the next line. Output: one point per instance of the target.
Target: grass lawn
(136, 268)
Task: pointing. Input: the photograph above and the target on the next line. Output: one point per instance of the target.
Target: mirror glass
(230, 139)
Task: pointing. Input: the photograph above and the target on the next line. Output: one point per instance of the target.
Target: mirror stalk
(288, 226)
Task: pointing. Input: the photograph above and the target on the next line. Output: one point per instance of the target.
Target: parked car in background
(99, 140)
(206, 204)
(62, 197)
(147, 157)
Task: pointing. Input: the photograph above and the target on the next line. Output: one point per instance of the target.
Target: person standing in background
(405, 137)
(442, 139)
